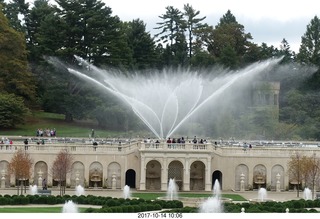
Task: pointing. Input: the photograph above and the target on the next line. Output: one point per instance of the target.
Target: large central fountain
(164, 100)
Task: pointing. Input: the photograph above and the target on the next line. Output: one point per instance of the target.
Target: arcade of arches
(153, 169)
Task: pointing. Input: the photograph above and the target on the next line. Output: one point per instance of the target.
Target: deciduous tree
(15, 75)
(61, 167)
(20, 166)
(12, 110)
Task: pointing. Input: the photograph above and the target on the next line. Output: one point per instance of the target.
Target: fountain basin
(194, 201)
(257, 200)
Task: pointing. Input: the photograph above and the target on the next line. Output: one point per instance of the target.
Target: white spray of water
(262, 195)
(213, 204)
(80, 190)
(307, 194)
(70, 207)
(33, 189)
(166, 100)
(126, 192)
(172, 191)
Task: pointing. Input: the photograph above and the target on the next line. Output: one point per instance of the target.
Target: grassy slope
(64, 129)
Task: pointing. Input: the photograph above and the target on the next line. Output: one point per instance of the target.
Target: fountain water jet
(126, 192)
(33, 189)
(262, 194)
(164, 101)
(70, 207)
(172, 191)
(213, 204)
(79, 190)
(307, 194)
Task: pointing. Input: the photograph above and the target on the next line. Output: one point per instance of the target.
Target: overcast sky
(268, 21)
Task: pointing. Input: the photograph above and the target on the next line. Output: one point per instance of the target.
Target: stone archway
(114, 176)
(277, 178)
(77, 174)
(153, 175)
(217, 177)
(131, 178)
(40, 173)
(242, 178)
(259, 177)
(175, 171)
(197, 176)
(95, 175)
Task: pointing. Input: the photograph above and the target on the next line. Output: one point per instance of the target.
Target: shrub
(136, 208)
(130, 209)
(4, 201)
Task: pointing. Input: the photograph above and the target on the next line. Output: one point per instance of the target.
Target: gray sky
(268, 21)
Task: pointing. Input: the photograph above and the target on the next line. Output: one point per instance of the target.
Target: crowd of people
(46, 132)
(180, 140)
(6, 143)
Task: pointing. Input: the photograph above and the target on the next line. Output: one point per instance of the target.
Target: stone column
(164, 175)
(208, 183)
(186, 176)
(143, 173)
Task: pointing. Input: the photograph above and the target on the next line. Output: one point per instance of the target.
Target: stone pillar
(242, 187)
(186, 176)
(143, 174)
(164, 175)
(208, 183)
(278, 189)
(3, 179)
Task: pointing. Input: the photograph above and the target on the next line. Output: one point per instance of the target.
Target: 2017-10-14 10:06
(159, 215)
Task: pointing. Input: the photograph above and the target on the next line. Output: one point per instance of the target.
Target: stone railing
(72, 148)
(116, 146)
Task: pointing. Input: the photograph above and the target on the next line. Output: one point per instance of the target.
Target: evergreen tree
(43, 31)
(226, 35)
(309, 51)
(193, 24)
(93, 33)
(286, 52)
(85, 28)
(142, 45)
(172, 32)
(16, 12)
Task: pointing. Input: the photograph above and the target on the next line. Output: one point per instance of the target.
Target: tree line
(87, 28)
